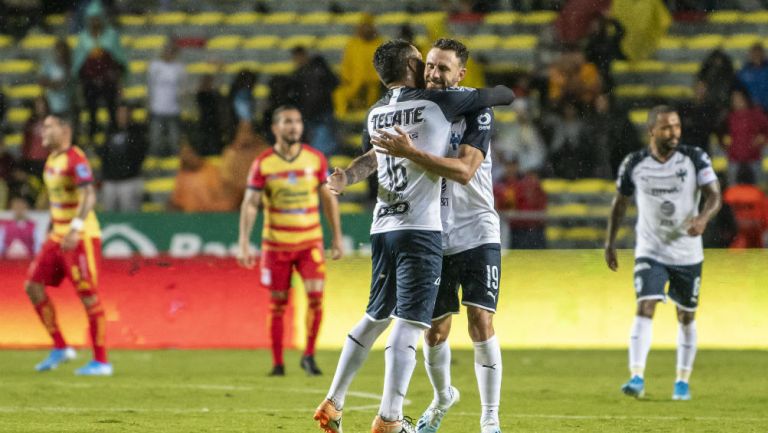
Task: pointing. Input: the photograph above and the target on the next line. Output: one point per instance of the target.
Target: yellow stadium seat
(214, 160)
(135, 92)
(704, 42)
(139, 115)
(236, 67)
(760, 17)
(483, 42)
(720, 163)
(73, 39)
(346, 207)
(353, 140)
(125, 40)
(554, 233)
(206, 19)
(340, 161)
(554, 186)
(56, 20)
(502, 18)
(740, 41)
(160, 185)
(520, 42)
(505, 116)
(152, 207)
(765, 164)
(18, 115)
(261, 91)
(674, 92)
(684, 68)
(307, 41)
(150, 42)
(357, 188)
(38, 42)
(583, 234)
(392, 18)
(17, 67)
(261, 42)
(138, 67)
(568, 210)
(25, 91)
(14, 140)
(624, 232)
(671, 43)
(315, 18)
(350, 18)
(102, 116)
(725, 17)
(277, 68)
(169, 19)
(224, 42)
(5, 41)
(633, 91)
(590, 186)
(538, 18)
(638, 117)
(132, 20)
(333, 42)
(354, 117)
(242, 19)
(281, 18)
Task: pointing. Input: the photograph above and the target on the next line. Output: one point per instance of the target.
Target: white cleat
(432, 417)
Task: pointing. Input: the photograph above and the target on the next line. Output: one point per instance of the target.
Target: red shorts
(277, 266)
(79, 265)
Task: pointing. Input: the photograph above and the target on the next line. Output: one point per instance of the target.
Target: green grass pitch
(228, 391)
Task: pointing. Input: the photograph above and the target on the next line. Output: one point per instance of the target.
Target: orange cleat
(328, 417)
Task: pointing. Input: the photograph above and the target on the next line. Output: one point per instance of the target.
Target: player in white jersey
(471, 246)
(406, 230)
(667, 180)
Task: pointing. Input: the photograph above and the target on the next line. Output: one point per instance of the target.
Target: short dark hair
(653, 114)
(283, 108)
(391, 60)
(745, 175)
(453, 45)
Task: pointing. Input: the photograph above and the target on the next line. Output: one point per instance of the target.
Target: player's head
(446, 64)
(664, 127)
(57, 132)
(399, 62)
(287, 124)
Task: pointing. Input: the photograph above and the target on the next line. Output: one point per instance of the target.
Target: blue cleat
(682, 392)
(635, 387)
(95, 368)
(56, 357)
(432, 417)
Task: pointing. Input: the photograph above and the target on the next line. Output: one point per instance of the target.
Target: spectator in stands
(56, 78)
(209, 105)
(700, 119)
(521, 141)
(750, 206)
(99, 61)
(236, 161)
(748, 129)
(198, 186)
(754, 76)
(315, 82)
(240, 101)
(572, 77)
(18, 233)
(718, 74)
(524, 196)
(360, 86)
(570, 154)
(33, 153)
(165, 78)
(604, 46)
(121, 159)
(611, 136)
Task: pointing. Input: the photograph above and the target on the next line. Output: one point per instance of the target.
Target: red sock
(97, 326)
(48, 316)
(276, 329)
(314, 317)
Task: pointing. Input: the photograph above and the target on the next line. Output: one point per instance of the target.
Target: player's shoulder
(634, 159)
(76, 152)
(311, 151)
(692, 152)
(266, 153)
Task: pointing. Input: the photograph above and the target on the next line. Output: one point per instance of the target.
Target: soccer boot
(432, 417)
(490, 427)
(56, 357)
(328, 417)
(401, 426)
(278, 370)
(635, 387)
(95, 368)
(681, 392)
(308, 364)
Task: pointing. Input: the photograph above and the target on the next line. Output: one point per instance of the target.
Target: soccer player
(471, 245)
(406, 229)
(667, 180)
(287, 179)
(73, 247)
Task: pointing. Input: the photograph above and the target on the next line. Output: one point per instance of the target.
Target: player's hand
(610, 258)
(697, 227)
(70, 240)
(245, 259)
(337, 181)
(398, 145)
(337, 251)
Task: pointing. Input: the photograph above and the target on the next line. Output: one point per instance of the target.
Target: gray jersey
(667, 196)
(409, 196)
(468, 213)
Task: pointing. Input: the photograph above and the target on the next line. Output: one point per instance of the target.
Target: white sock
(639, 344)
(686, 350)
(353, 355)
(488, 372)
(399, 362)
(437, 361)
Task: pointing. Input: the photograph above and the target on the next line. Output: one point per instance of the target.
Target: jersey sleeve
(81, 168)
(460, 102)
(479, 130)
(705, 174)
(256, 179)
(624, 184)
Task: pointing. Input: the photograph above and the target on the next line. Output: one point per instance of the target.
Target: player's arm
(460, 169)
(712, 203)
(618, 210)
(331, 212)
(85, 205)
(456, 103)
(249, 210)
(359, 169)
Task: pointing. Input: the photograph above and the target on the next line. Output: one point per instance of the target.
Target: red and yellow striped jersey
(290, 197)
(64, 173)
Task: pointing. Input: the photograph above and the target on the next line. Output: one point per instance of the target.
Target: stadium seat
(720, 163)
(5, 41)
(350, 18)
(341, 161)
(169, 19)
(765, 164)
(579, 234)
(353, 140)
(139, 115)
(758, 17)
(242, 19)
(261, 91)
(554, 234)
(24, 91)
(224, 42)
(18, 115)
(138, 67)
(359, 188)
(642, 66)
(206, 19)
(55, 20)
(277, 68)
(519, 42)
(486, 42)
(159, 185)
(725, 17)
(354, 117)
(332, 42)
(347, 207)
(316, 18)
(740, 42)
(235, 67)
(392, 18)
(689, 68)
(674, 92)
(17, 67)
(568, 210)
(279, 18)
(505, 116)
(266, 42)
(539, 18)
(636, 91)
(639, 117)
(307, 41)
(14, 140)
(590, 186)
(554, 186)
(149, 42)
(132, 21)
(38, 42)
(135, 92)
(153, 207)
(705, 42)
(502, 18)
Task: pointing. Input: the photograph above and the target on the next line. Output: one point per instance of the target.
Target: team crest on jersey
(682, 173)
(455, 140)
(292, 178)
(83, 170)
(668, 208)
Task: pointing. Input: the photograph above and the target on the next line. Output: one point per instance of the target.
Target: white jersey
(409, 196)
(468, 213)
(667, 196)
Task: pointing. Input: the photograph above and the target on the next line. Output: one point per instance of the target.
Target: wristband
(77, 224)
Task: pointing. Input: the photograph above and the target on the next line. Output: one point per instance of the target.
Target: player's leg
(311, 267)
(650, 280)
(276, 277)
(684, 285)
(47, 269)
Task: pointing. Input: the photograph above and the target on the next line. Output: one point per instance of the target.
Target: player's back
(64, 173)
